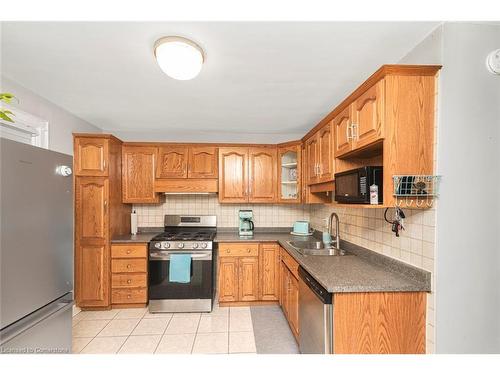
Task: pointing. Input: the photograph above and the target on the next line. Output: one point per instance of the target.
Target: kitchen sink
(311, 247)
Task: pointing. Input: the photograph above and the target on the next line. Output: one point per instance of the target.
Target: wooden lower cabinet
(293, 305)
(228, 279)
(238, 278)
(379, 323)
(129, 278)
(248, 279)
(248, 272)
(269, 279)
(92, 275)
(289, 291)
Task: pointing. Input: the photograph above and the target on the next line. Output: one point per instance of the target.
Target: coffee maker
(246, 223)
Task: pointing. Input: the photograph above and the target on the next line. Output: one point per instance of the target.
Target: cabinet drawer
(129, 251)
(129, 265)
(238, 249)
(128, 280)
(290, 262)
(129, 295)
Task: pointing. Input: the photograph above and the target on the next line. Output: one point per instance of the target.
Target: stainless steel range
(192, 236)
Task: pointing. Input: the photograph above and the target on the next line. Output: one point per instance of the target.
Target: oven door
(200, 285)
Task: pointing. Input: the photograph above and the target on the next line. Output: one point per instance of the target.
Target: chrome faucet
(337, 230)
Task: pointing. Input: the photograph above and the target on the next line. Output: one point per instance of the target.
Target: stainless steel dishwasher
(315, 316)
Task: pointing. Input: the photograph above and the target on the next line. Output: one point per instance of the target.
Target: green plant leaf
(4, 117)
(7, 97)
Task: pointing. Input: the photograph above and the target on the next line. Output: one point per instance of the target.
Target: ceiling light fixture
(178, 57)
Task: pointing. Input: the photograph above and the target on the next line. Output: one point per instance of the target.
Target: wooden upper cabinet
(233, 174)
(262, 174)
(248, 288)
(138, 174)
(91, 208)
(290, 173)
(368, 116)
(172, 162)
(91, 156)
(312, 151)
(342, 129)
(202, 162)
(325, 159)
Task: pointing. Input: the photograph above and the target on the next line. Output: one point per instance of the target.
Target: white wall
(468, 220)
(61, 123)
(467, 268)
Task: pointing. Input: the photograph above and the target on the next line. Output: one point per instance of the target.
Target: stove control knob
(166, 245)
(158, 245)
(195, 245)
(204, 245)
(180, 245)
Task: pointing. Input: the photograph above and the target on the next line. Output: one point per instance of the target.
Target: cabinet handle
(248, 250)
(128, 266)
(129, 296)
(348, 127)
(354, 132)
(105, 204)
(128, 251)
(228, 251)
(129, 281)
(104, 164)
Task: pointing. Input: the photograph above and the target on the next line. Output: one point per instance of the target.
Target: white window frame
(26, 124)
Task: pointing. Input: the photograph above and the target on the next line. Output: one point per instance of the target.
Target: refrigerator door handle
(56, 307)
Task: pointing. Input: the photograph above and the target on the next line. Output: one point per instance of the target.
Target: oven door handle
(165, 255)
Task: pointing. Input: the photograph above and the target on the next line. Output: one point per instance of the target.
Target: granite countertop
(364, 271)
(139, 237)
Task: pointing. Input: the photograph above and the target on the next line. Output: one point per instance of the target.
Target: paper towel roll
(133, 223)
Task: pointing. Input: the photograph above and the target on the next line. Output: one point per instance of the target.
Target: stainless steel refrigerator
(36, 254)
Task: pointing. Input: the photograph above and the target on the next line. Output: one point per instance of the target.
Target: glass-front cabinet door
(289, 173)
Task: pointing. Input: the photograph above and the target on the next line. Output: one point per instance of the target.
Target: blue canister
(327, 238)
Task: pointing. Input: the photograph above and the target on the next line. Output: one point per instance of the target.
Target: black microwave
(354, 186)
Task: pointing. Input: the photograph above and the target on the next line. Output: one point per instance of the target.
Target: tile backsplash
(364, 227)
(265, 215)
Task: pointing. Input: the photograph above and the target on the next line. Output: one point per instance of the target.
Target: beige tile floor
(223, 331)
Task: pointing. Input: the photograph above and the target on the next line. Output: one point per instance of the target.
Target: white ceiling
(276, 79)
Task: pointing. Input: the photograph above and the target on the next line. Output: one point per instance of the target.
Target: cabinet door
(92, 275)
(228, 279)
(91, 245)
(91, 208)
(269, 272)
(293, 304)
(343, 135)
(202, 162)
(138, 174)
(368, 116)
(312, 159)
(91, 156)
(233, 175)
(284, 280)
(325, 154)
(262, 175)
(289, 174)
(172, 162)
(248, 289)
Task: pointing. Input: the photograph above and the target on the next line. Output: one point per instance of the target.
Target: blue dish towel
(180, 268)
